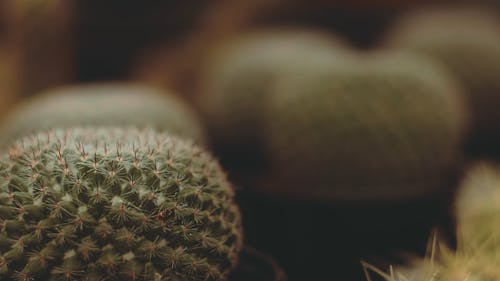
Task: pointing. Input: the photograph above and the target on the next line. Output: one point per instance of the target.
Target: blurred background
(96, 40)
(46, 44)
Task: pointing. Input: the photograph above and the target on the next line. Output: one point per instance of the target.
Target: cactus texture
(385, 126)
(241, 74)
(114, 204)
(106, 104)
(468, 43)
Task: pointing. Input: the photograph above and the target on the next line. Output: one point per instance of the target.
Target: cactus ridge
(114, 204)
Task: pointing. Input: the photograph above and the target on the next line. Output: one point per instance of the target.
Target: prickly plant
(467, 42)
(385, 126)
(114, 204)
(476, 257)
(241, 74)
(478, 206)
(443, 265)
(103, 104)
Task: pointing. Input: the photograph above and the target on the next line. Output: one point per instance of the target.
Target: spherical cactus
(468, 43)
(114, 204)
(239, 77)
(105, 104)
(384, 126)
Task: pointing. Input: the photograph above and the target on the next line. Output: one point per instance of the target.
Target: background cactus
(114, 204)
(238, 80)
(478, 208)
(385, 126)
(106, 104)
(446, 266)
(467, 42)
(241, 74)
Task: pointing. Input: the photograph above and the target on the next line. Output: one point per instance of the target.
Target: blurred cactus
(467, 41)
(385, 126)
(478, 213)
(115, 204)
(478, 207)
(444, 265)
(103, 104)
(239, 77)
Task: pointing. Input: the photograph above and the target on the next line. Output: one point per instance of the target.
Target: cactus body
(478, 214)
(386, 126)
(114, 204)
(240, 76)
(467, 42)
(478, 207)
(103, 105)
(447, 265)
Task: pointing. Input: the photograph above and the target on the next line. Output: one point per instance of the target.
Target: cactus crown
(114, 204)
(240, 75)
(478, 207)
(466, 42)
(103, 104)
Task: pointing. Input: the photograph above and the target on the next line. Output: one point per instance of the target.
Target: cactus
(240, 76)
(106, 104)
(467, 42)
(448, 265)
(385, 126)
(477, 210)
(114, 204)
(478, 207)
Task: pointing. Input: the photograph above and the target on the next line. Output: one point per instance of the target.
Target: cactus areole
(114, 204)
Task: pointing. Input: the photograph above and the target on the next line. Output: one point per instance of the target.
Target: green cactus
(478, 214)
(468, 43)
(103, 104)
(384, 126)
(114, 204)
(478, 207)
(239, 77)
(444, 265)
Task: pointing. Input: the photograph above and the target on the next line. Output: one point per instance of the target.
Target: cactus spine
(114, 204)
